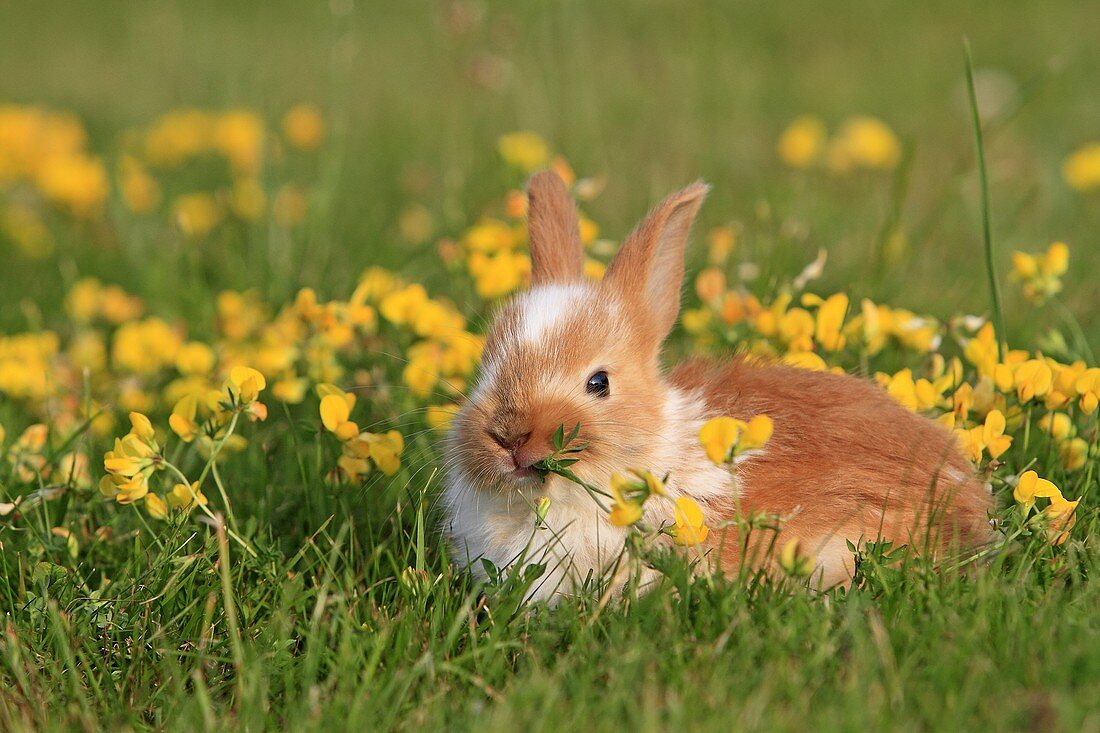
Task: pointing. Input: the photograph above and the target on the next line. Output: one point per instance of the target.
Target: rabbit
(845, 463)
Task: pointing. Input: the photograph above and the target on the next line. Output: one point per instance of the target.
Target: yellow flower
(830, 320)
(1082, 169)
(304, 127)
(710, 284)
(801, 143)
(805, 360)
(76, 182)
(238, 135)
(440, 417)
(182, 419)
(524, 150)
(863, 142)
(196, 214)
(245, 384)
(794, 560)
(143, 428)
(384, 450)
(146, 346)
(335, 411)
(183, 496)
(1058, 424)
(1073, 452)
(290, 390)
(720, 243)
(1030, 487)
(1088, 386)
(139, 190)
(195, 358)
(718, 436)
(996, 442)
(1041, 274)
(918, 395)
(1061, 516)
(986, 437)
(1033, 379)
(624, 512)
(247, 198)
(726, 437)
(690, 528)
(156, 507)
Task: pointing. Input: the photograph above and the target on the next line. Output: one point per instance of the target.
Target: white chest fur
(576, 540)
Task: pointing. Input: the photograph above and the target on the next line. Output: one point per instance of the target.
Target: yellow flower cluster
(796, 332)
(860, 142)
(630, 493)
(1060, 514)
(724, 438)
(494, 247)
(1040, 275)
(47, 152)
(362, 451)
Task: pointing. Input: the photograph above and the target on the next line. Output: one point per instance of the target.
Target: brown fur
(845, 461)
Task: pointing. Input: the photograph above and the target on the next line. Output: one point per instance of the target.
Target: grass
(349, 614)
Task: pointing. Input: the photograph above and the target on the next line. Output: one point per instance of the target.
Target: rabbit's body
(845, 462)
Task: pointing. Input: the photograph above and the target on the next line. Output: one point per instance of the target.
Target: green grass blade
(987, 229)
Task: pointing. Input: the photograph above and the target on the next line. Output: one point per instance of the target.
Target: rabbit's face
(560, 355)
(571, 351)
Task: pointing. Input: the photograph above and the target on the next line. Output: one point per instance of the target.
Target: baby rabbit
(845, 462)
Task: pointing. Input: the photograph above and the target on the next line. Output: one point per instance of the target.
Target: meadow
(250, 253)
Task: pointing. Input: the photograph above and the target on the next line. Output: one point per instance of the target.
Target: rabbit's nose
(509, 441)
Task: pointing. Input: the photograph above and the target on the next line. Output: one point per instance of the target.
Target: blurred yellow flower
(183, 496)
(144, 347)
(863, 142)
(77, 183)
(239, 136)
(140, 191)
(1082, 168)
(801, 143)
(196, 214)
(195, 358)
(524, 150)
(624, 512)
(1040, 275)
(304, 127)
(794, 560)
(440, 417)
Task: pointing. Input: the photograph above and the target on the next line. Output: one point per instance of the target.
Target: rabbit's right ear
(553, 231)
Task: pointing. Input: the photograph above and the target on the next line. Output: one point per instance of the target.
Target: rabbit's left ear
(553, 231)
(649, 268)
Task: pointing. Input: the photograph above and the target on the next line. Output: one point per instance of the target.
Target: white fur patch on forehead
(544, 308)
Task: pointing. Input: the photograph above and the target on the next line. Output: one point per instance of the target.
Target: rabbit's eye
(598, 385)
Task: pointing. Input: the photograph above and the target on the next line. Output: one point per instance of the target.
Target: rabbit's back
(845, 461)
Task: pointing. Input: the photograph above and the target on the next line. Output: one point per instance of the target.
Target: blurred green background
(649, 94)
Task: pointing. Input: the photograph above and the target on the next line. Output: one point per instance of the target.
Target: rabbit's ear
(649, 267)
(553, 231)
